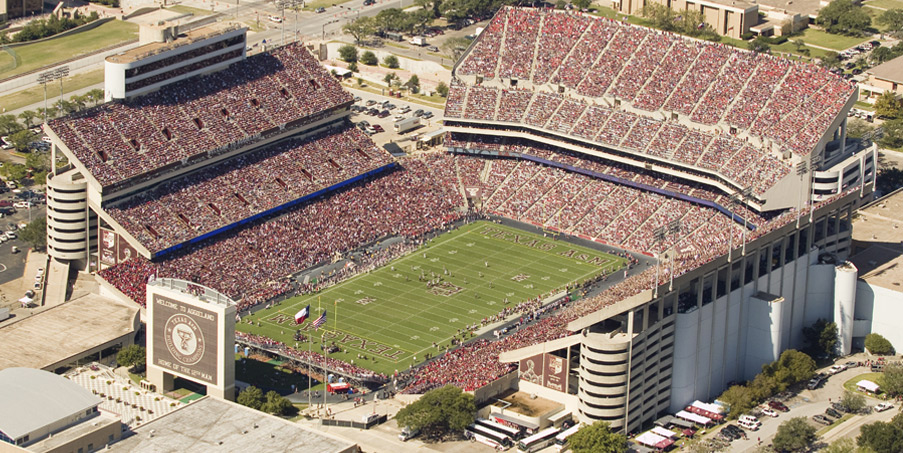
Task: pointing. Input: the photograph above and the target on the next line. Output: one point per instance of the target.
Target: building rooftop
(215, 425)
(33, 399)
(891, 70)
(804, 7)
(59, 333)
(154, 48)
(878, 242)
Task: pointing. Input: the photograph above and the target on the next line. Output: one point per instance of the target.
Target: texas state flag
(302, 315)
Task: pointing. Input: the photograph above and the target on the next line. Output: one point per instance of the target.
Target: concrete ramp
(55, 283)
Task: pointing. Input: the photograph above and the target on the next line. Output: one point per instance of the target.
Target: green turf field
(390, 315)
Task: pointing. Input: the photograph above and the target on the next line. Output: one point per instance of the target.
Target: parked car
(736, 430)
(408, 433)
(276, 19)
(370, 102)
(427, 115)
(357, 99)
(404, 109)
(378, 128)
(778, 406)
(881, 407)
(836, 369)
(11, 235)
(418, 113)
(813, 383)
(851, 364)
(822, 419)
(432, 48)
(769, 412)
(22, 204)
(321, 10)
(833, 412)
(384, 114)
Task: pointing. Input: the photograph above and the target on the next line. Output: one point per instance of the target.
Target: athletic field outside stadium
(395, 313)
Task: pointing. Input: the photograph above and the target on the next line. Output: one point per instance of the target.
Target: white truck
(418, 41)
(402, 126)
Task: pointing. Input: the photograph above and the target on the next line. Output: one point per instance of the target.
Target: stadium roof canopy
(33, 399)
(65, 332)
(211, 425)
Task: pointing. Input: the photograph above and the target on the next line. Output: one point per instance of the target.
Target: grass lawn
(886, 4)
(877, 378)
(34, 56)
(314, 4)
(189, 10)
(604, 11)
(390, 316)
(837, 422)
(35, 94)
(824, 39)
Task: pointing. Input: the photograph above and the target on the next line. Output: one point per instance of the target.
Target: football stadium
(656, 215)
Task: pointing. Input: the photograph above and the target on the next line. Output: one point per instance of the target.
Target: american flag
(320, 321)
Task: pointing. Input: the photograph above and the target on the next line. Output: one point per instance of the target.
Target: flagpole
(309, 359)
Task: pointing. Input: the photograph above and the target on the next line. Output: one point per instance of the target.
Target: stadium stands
(223, 194)
(201, 116)
(602, 62)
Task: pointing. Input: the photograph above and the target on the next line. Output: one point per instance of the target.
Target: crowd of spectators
(118, 141)
(790, 103)
(250, 264)
(722, 154)
(227, 192)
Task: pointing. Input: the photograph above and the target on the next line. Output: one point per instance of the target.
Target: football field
(397, 312)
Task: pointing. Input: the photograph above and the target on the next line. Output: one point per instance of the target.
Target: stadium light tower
(49, 76)
(814, 162)
(293, 4)
(802, 168)
(658, 235)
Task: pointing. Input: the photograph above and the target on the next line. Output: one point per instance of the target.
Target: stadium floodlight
(293, 4)
(802, 168)
(49, 76)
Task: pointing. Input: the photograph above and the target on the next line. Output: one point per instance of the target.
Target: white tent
(868, 385)
(664, 432)
(25, 301)
(649, 438)
(698, 419)
(714, 408)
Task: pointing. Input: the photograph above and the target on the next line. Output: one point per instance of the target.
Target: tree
(881, 437)
(822, 336)
(369, 58)
(390, 78)
(844, 445)
(348, 53)
(791, 367)
(852, 401)
(842, 17)
(37, 161)
(22, 139)
(875, 343)
(880, 55)
(597, 438)
(741, 399)
(13, 171)
(442, 89)
(888, 106)
(352, 66)
(9, 125)
(893, 379)
(95, 95)
(831, 60)
(794, 435)
(413, 83)
(49, 112)
(276, 404)
(28, 117)
(455, 47)
(893, 20)
(893, 138)
(760, 45)
(582, 4)
(360, 28)
(439, 411)
(251, 397)
(391, 61)
(857, 128)
(132, 356)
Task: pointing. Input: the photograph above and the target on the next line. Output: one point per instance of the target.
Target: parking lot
(14, 215)
(809, 403)
(430, 118)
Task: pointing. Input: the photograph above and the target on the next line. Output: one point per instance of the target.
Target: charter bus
(489, 437)
(538, 441)
(561, 440)
(513, 433)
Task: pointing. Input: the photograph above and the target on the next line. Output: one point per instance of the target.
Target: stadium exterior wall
(718, 323)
